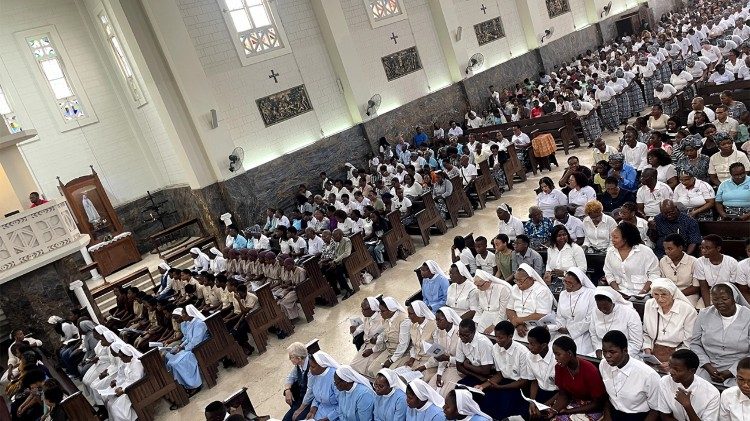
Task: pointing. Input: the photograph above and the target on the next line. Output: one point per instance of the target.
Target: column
(87, 258)
(445, 16)
(83, 299)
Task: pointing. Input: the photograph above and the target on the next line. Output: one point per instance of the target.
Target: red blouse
(587, 385)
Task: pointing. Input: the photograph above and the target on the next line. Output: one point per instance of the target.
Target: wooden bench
(417, 295)
(396, 238)
(458, 202)
(240, 400)
(313, 346)
(315, 287)
(429, 217)
(359, 260)
(219, 345)
(157, 383)
(732, 233)
(513, 167)
(184, 248)
(485, 184)
(266, 316)
(559, 125)
(740, 92)
(108, 287)
(75, 405)
(204, 244)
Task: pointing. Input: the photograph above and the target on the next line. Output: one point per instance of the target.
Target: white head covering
(466, 404)
(581, 275)
(421, 310)
(393, 305)
(373, 303)
(486, 276)
(100, 329)
(613, 295)
(177, 311)
(53, 320)
(196, 250)
(194, 312)
(216, 252)
(451, 315)
(325, 360)
(738, 297)
(464, 271)
(347, 374)
(435, 268)
(505, 207)
(111, 337)
(117, 346)
(426, 393)
(164, 266)
(531, 272)
(130, 351)
(667, 284)
(393, 379)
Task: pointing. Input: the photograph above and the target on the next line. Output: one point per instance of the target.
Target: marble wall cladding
(440, 106)
(565, 49)
(30, 299)
(138, 216)
(503, 75)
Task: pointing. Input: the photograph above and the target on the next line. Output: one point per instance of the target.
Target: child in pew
(211, 296)
(172, 335)
(270, 270)
(151, 328)
(122, 313)
(254, 269)
(140, 319)
(291, 277)
(190, 296)
(242, 303)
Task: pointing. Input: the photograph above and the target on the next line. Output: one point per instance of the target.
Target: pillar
(445, 16)
(77, 287)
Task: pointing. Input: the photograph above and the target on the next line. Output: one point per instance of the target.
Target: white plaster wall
(110, 144)
(237, 87)
(563, 24)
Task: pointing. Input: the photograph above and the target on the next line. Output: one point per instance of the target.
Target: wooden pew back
(732, 233)
(219, 345)
(396, 237)
(513, 167)
(267, 315)
(184, 228)
(314, 287)
(429, 217)
(458, 202)
(240, 399)
(157, 383)
(359, 260)
(485, 183)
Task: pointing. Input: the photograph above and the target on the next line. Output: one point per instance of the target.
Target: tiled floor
(264, 376)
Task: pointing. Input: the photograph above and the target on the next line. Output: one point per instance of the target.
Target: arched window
(256, 32)
(122, 61)
(384, 12)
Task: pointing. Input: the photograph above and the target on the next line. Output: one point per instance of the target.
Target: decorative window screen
(384, 12)
(121, 59)
(256, 32)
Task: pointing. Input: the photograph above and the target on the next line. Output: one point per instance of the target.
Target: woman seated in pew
(122, 313)
(290, 276)
(549, 197)
(108, 372)
(374, 227)
(598, 228)
(150, 327)
(613, 312)
(393, 342)
(629, 213)
(442, 188)
(713, 267)
(581, 393)
(181, 361)
(445, 375)
(668, 320)
(254, 268)
(683, 396)
(493, 295)
(696, 195)
(462, 293)
(575, 307)
(541, 365)
(580, 193)
(677, 266)
(422, 330)
(460, 405)
(423, 402)
(631, 384)
(461, 253)
(562, 254)
(511, 374)
(69, 353)
(390, 399)
(99, 362)
(530, 299)
(52, 395)
(26, 404)
(356, 396)
(19, 338)
(119, 406)
(733, 195)
(325, 403)
(721, 336)
(630, 266)
(365, 332)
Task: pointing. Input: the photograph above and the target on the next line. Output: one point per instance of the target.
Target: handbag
(662, 352)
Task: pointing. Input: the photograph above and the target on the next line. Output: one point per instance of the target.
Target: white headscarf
(325, 360)
(194, 312)
(130, 351)
(177, 311)
(466, 404)
(53, 320)
(393, 379)
(426, 393)
(116, 346)
(738, 297)
(486, 276)
(111, 337)
(435, 268)
(196, 250)
(531, 272)
(374, 304)
(216, 252)
(581, 275)
(667, 284)
(100, 329)
(613, 295)
(464, 271)
(164, 266)
(347, 374)
(421, 310)
(451, 315)
(393, 305)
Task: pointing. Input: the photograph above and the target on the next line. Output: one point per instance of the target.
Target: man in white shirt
(573, 224)
(651, 193)
(720, 76)
(520, 139)
(315, 244)
(511, 360)
(735, 401)
(725, 124)
(698, 104)
(473, 354)
(473, 121)
(685, 396)
(635, 152)
(455, 130)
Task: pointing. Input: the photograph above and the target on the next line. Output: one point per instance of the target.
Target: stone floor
(265, 374)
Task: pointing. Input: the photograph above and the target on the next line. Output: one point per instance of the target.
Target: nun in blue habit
(424, 402)
(390, 402)
(325, 402)
(356, 397)
(181, 361)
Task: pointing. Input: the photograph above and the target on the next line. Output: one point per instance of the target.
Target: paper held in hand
(548, 319)
(649, 359)
(540, 406)
(433, 350)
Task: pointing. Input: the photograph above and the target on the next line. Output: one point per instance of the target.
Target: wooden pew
(359, 260)
(266, 316)
(183, 248)
(740, 90)
(732, 233)
(77, 408)
(219, 345)
(313, 346)
(429, 217)
(513, 167)
(560, 125)
(458, 202)
(241, 401)
(108, 287)
(313, 288)
(204, 244)
(417, 295)
(485, 184)
(157, 383)
(397, 237)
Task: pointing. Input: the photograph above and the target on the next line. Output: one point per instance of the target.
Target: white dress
(574, 312)
(462, 298)
(120, 407)
(491, 306)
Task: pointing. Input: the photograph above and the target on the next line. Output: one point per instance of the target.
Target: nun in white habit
(668, 320)
(613, 312)
(422, 331)
(462, 293)
(103, 360)
(107, 374)
(218, 264)
(575, 307)
(371, 327)
(394, 340)
(493, 295)
(201, 262)
(461, 406)
(424, 403)
(446, 375)
(119, 406)
(530, 299)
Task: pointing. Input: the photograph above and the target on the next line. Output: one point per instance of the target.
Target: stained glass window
(383, 9)
(121, 59)
(43, 49)
(254, 25)
(9, 117)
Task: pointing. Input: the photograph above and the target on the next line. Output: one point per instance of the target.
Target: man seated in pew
(140, 321)
(154, 328)
(672, 220)
(573, 167)
(295, 246)
(190, 296)
(131, 370)
(243, 302)
(538, 228)
(181, 361)
(651, 194)
(260, 241)
(572, 224)
(253, 268)
(52, 396)
(714, 267)
(734, 399)
(683, 396)
(720, 76)
(522, 143)
(270, 268)
(338, 247)
(374, 226)
(733, 195)
(19, 338)
(719, 163)
(524, 254)
(468, 173)
(221, 299)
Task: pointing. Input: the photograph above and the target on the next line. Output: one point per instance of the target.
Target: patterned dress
(611, 115)
(592, 127)
(648, 90)
(635, 94)
(698, 167)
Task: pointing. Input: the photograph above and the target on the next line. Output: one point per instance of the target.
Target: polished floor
(265, 374)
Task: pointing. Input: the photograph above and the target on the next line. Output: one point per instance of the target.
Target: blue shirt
(627, 177)
(357, 404)
(391, 407)
(325, 395)
(419, 139)
(730, 194)
(435, 292)
(432, 413)
(240, 242)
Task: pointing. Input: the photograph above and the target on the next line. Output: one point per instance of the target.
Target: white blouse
(623, 318)
(574, 310)
(462, 298)
(491, 306)
(704, 398)
(713, 274)
(695, 197)
(468, 260)
(631, 274)
(632, 388)
(580, 198)
(487, 264)
(665, 172)
(570, 255)
(543, 369)
(599, 236)
(673, 329)
(536, 299)
(734, 405)
(547, 202)
(512, 363)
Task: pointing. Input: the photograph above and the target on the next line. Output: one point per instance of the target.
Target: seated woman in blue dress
(424, 402)
(356, 397)
(325, 404)
(460, 405)
(390, 402)
(181, 361)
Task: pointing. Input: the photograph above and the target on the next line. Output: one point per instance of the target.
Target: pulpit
(111, 247)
